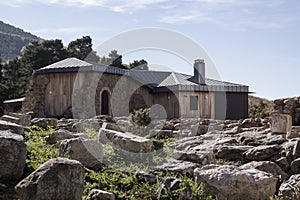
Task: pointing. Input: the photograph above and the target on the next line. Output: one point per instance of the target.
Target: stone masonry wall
(35, 96)
(290, 106)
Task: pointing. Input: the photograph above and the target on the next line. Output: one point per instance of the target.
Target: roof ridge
(175, 78)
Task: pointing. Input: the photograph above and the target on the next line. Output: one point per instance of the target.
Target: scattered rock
(4, 125)
(58, 178)
(24, 119)
(178, 166)
(148, 177)
(230, 182)
(267, 166)
(261, 153)
(126, 141)
(295, 166)
(12, 155)
(231, 153)
(166, 190)
(88, 152)
(44, 122)
(290, 189)
(96, 194)
(62, 134)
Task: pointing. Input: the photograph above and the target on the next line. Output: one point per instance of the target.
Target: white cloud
(181, 18)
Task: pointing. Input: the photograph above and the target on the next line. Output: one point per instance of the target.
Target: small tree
(259, 110)
(141, 117)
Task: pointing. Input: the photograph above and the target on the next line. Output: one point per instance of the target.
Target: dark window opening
(104, 103)
(193, 102)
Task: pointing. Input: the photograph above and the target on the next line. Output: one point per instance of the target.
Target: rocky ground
(240, 159)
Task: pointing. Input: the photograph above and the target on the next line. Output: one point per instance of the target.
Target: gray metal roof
(157, 81)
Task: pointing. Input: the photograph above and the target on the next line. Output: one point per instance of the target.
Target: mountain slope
(12, 40)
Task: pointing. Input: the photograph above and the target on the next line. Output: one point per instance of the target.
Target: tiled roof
(156, 80)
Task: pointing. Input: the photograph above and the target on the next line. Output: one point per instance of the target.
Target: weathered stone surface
(88, 152)
(230, 182)
(5, 125)
(283, 164)
(248, 123)
(44, 122)
(11, 119)
(111, 126)
(261, 153)
(126, 141)
(159, 134)
(288, 149)
(281, 123)
(197, 149)
(178, 166)
(62, 134)
(295, 166)
(59, 178)
(295, 133)
(231, 153)
(12, 155)
(290, 189)
(296, 150)
(24, 120)
(267, 166)
(96, 194)
(171, 184)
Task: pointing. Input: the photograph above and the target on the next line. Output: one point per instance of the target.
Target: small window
(193, 102)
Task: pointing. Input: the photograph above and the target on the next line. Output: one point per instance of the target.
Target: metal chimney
(199, 71)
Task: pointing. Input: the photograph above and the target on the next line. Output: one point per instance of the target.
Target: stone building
(89, 89)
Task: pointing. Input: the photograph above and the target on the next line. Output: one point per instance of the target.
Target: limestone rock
(230, 182)
(281, 123)
(96, 194)
(290, 189)
(44, 122)
(296, 150)
(231, 152)
(12, 155)
(62, 134)
(88, 152)
(267, 166)
(5, 125)
(24, 119)
(295, 166)
(178, 166)
(126, 141)
(283, 164)
(59, 178)
(261, 153)
(171, 184)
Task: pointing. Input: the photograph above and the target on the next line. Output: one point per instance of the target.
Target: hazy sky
(255, 42)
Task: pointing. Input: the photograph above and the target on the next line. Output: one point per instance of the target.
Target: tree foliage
(258, 110)
(139, 65)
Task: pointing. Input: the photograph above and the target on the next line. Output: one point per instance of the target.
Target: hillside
(12, 40)
(259, 107)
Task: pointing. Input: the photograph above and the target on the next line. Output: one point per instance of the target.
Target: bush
(259, 110)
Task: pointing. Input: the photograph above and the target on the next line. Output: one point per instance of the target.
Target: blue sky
(255, 42)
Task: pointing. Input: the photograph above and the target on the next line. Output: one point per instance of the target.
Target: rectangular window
(193, 102)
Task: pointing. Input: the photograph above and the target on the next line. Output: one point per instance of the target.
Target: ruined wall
(290, 106)
(35, 96)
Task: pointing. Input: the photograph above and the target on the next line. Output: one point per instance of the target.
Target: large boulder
(290, 189)
(281, 123)
(59, 178)
(88, 152)
(261, 153)
(12, 155)
(126, 141)
(5, 125)
(230, 182)
(267, 166)
(96, 194)
(44, 122)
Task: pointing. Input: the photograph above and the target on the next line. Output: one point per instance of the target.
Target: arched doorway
(105, 103)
